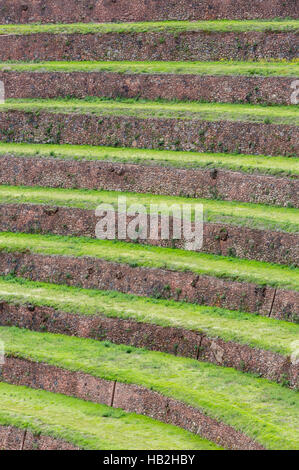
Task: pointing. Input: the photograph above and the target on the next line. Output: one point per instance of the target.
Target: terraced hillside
(145, 341)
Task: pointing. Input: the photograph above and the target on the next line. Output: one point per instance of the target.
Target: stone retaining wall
(177, 341)
(226, 88)
(131, 398)
(148, 46)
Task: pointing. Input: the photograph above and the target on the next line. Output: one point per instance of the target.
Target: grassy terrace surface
(276, 25)
(262, 273)
(283, 166)
(265, 411)
(89, 425)
(258, 332)
(245, 214)
(263, 68)
(159, 109)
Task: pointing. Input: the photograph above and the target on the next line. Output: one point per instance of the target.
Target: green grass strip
(282, 166)
(160, 109)
(265, 411)
(242, 214)
(255, 331)
(90, 425)
(276, 25)
(261, 68)
(262, 273)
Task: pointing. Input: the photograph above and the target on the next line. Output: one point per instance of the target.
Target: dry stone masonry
(228, 135)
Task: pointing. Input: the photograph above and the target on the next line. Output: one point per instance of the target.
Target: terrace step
(18, 11)
(141, 385)
(222, 238)
(149, 124)
(228, 228)
(178, 41)
(250, 164)
(237, 284)
(215, 82)
(263, 346)
(14, 438)
(85, 425)
(171, 173)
